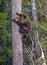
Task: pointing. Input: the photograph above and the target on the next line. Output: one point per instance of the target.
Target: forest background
(6, 28)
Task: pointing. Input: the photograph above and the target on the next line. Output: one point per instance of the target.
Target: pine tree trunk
(34, 15)
(16, 36)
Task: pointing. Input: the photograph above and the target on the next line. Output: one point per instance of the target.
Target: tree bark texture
(16, 36)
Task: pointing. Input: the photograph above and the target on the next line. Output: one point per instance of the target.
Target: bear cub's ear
(19, 14)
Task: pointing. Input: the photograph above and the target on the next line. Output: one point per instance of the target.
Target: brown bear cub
(24, 24)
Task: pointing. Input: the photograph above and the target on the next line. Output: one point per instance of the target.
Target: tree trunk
(34, 14)
(16, 36)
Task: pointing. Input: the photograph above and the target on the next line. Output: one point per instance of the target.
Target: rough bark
(16, 36)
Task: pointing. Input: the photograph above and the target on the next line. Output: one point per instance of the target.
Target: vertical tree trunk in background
(16, 36)
(34, 14)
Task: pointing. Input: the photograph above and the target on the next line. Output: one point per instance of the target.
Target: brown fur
(24, 23)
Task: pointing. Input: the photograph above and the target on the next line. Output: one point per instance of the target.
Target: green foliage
(3, 19)
(8, 52)
(5, 37)
(0, 2)
(2, 55)
(44, 38)
(26, 3)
